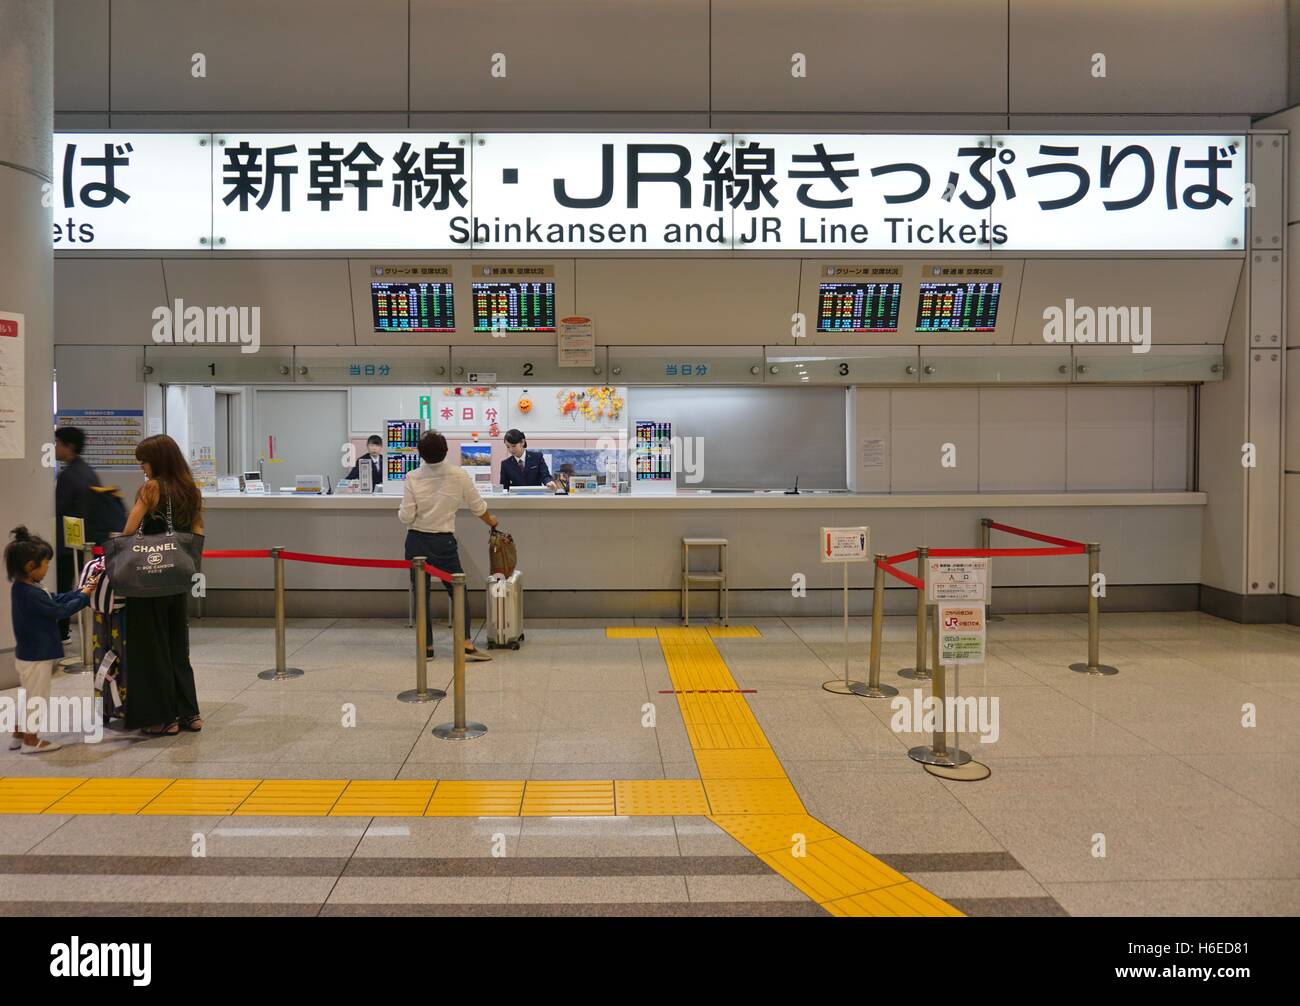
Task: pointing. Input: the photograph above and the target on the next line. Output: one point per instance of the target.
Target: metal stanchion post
(848, 687)
(1094, 664)
(984, 543)
(960, 767)
(279, 672)
(937, 752)
(874, 689)
(919, 672)
(74, 666)
(459, 730)
(421, 692)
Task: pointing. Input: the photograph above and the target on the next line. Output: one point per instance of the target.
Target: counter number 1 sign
(845, 544)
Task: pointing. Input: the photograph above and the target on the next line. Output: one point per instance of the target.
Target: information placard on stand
(844, 545)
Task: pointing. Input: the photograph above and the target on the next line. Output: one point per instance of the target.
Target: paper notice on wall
(575, 341)
(12, 400)
(873, 453)
(203, 465)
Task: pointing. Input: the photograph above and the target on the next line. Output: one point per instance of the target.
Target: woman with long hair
(162, 698)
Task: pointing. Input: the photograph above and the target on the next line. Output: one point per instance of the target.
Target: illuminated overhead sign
(557, 192)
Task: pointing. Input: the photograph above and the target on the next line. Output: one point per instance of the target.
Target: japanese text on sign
(646, 190)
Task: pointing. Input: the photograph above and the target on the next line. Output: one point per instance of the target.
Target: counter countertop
(693, 500)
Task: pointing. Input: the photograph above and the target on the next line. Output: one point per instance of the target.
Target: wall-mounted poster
(111, 436)
(575, 342)
(12, 400)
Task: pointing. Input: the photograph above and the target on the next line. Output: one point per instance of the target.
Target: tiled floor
(1144, 793)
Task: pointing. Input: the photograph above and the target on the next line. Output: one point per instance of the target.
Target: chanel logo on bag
(155, 558)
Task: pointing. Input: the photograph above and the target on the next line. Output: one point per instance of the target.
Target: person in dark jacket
(375, 456)
(72, 493)
(36, 618)
(523, 467)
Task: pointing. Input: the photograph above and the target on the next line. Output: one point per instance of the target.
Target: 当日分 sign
(546, 192)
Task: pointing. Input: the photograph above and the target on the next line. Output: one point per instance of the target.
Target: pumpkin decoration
(525, 405)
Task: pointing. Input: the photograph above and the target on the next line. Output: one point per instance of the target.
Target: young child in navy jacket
(36, 626)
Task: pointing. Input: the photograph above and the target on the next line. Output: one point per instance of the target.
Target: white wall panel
(1110, 438)
(302, 301)
(1172, 443)
(1293, 407)
(1189, 299)
(1291, 532)
(686, 302)
(922, 422)
(1162, 56)
(883, 56)
(868, 440)
(572, 55)
(81, 55)
(288, 56)
(1022, 439)
(106, 301)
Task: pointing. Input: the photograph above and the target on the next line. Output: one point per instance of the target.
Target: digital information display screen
(413, 307)
(512, 306)
(958, 307)
(858, 307)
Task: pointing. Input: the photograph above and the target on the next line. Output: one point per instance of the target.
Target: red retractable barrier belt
(1038, 536)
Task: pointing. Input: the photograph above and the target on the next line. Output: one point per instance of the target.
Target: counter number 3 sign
(845, 544)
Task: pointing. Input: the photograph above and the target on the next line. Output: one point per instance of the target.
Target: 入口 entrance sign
(957, 579)
(555, 192)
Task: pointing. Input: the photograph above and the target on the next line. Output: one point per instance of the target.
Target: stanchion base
(413, 695)
(72, 665)
(926, 756)
(972, 771)
(451, 732)
(274, 675)
(1101, 670)
(866, 691)
(912, 674)
(841, 687)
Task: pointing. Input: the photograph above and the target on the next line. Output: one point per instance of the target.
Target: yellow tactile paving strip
(660, 798)
(742, 788)
(475, 798)
(384, 798)
(734, 632)
(630, 632)
(565, 799)
(753, 800)
(221, 797)
(293, 798)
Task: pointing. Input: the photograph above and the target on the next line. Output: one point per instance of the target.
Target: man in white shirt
(433, 494)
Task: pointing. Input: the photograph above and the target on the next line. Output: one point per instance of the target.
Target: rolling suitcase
(505, 611)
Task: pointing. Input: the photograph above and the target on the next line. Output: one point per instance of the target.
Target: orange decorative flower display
(591, 403)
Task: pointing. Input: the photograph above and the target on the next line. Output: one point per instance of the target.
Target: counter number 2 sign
(845, 544)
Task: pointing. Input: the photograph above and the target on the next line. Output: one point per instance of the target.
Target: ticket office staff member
(523, 467)
(375, 455)
(432, 495)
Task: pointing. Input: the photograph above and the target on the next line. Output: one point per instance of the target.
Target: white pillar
(27, 266)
